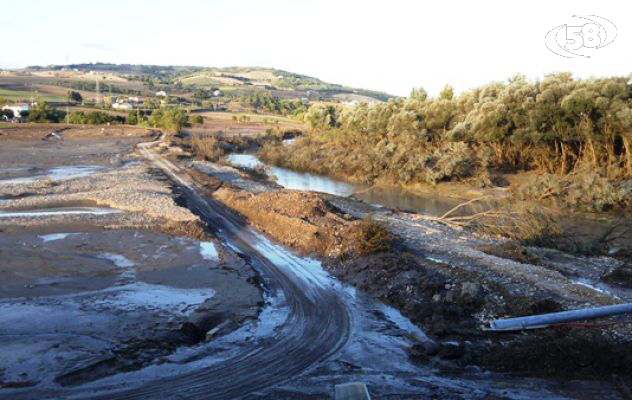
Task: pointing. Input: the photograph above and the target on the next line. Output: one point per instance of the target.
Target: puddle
(208, 251)
(46, 212)
(56, 236)
(140, 295)
(116, 259)
(56, 174)
(402, 322)
(588, 284)
(127, 274)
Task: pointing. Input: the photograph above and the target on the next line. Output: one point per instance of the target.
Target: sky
(390, 46)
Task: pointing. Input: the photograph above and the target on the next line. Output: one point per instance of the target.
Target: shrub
(172, 120)
(207, 147)
(92, 118)
(588, 191)
(44, 113)
(372, 237)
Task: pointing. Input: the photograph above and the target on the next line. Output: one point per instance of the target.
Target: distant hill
(232, 78)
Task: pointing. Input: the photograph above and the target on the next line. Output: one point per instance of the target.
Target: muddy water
(20, 176)
(69, 300)
(296, 180)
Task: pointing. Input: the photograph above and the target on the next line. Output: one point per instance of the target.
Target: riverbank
(452, 282)
(454, 173)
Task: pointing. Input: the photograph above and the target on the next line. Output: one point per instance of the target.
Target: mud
(102, 272)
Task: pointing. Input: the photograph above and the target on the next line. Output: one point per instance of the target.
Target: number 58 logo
(565, 40)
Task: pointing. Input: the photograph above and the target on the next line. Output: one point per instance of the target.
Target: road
(317, 323)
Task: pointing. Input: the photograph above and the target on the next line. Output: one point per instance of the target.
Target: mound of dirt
(302, 220)
(511, 251)
(427, 297)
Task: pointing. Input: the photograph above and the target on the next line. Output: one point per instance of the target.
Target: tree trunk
(564, 166)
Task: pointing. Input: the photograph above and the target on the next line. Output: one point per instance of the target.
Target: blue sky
(383, 45)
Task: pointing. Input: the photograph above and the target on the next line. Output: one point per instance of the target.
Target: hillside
(242, 79)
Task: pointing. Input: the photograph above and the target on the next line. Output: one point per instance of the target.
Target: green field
(18, 95)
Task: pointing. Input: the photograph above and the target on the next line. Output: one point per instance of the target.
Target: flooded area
(119, 279)
(92, 283)
(93, 292)
(53, 174)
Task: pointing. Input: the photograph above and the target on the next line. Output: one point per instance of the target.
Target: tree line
(265, 101)
(557, 125)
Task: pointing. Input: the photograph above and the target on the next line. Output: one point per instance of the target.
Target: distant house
(217, 93)
(262, 84)
(162, 93)
(17, 109)
(122, 106)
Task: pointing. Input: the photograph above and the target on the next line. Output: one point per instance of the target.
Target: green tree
(74, 97)
(42, 112)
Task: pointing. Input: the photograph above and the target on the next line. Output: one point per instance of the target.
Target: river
(582, 227)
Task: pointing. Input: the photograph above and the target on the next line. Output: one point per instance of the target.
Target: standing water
(387, 197)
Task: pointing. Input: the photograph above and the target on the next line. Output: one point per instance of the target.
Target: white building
(217, 93)
(162, 93)
(17, 108)
(122, 106)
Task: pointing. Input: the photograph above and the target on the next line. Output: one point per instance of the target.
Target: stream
(377, 196)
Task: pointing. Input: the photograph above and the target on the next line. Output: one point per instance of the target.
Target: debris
(545, 320)
(213, 332)
(352, 391)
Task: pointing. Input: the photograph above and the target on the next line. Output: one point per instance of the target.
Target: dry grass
(524, 222)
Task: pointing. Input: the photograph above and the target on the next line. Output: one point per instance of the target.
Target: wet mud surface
(89, 289)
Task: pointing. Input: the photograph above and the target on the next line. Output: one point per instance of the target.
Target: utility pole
(98, 91)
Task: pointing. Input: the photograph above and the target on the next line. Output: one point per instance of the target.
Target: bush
(92, 118)
(197, 119)
(172, 120)
(588, 191)
(372, 237)
(207, 147)
(44, 113)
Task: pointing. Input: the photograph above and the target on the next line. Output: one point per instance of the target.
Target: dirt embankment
(301, 220)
